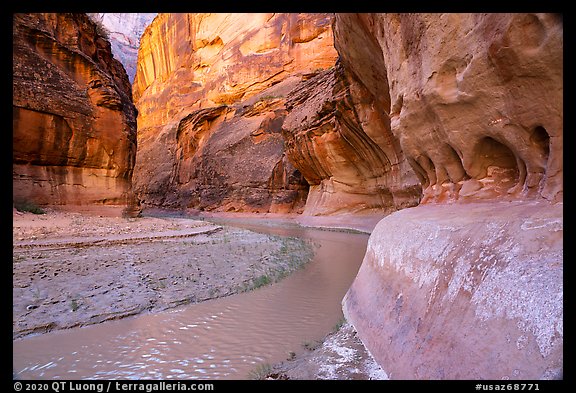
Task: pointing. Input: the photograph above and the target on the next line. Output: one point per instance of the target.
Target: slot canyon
(438, 134)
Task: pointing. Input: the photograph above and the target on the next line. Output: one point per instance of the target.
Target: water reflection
(221, 338)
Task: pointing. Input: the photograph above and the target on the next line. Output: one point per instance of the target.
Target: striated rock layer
(475, 100)
(339, 139)
(211, 94)
(469, 284)
(74, 124)
(223, 158)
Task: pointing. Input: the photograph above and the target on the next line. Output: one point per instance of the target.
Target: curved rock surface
(74, 124)
(467, 291)
(342, 144)
(211, 91)
(475, 100)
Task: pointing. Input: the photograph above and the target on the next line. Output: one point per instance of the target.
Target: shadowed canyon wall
(468, 285)
(211, 93)
(74, 124)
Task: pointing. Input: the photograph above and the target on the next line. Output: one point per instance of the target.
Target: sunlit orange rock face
(338, 135)
(469, 284)
(74, 125)
(211, 94)
(475, 100)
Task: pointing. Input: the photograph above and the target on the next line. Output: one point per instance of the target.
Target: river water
(222, 338)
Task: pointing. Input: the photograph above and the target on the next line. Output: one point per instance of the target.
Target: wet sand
(73, 269)
(79, 267)
(341, 355)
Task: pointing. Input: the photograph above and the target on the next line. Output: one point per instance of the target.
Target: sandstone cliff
(460, 113)
(211, 94)
(341, 142)
(124, 31)
(464, 291)
(469, 284)
(474, 99)
(74, 124)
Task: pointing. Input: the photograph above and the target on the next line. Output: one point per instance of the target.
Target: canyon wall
(467, 285)
(124, 32)
(474, 99)
(455, 120)
(464, 291)
(338, 136)
(74, 124)
(211, 91)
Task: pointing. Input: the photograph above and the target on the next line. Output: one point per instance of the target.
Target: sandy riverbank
(346, 221)
(73, 269)
(339, 356)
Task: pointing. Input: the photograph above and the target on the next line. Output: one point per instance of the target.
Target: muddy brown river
(222, 338)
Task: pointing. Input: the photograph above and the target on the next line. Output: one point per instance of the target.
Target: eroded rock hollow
(468, 285)
(475, 100)
(74, 124)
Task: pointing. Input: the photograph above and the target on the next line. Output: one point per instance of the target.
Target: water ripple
(219, 338)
